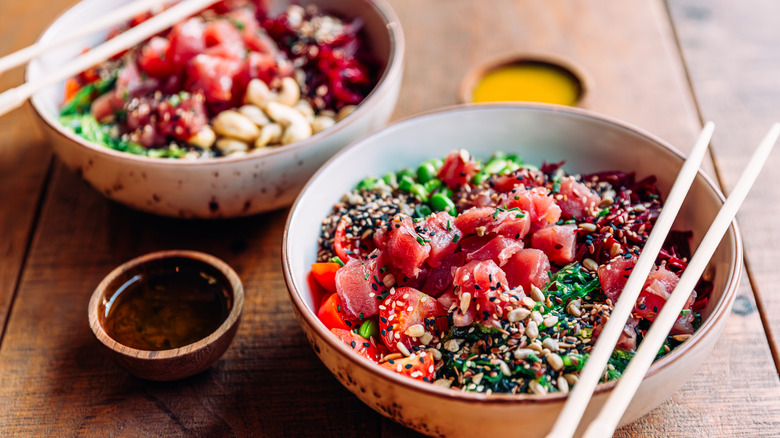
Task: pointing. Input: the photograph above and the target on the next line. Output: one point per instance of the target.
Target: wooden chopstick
(115, 17)
(15, 97)
(570, 416)
(609, 416)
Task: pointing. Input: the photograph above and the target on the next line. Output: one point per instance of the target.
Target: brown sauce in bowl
(175, 303)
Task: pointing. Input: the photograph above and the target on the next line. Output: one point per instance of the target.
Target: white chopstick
(97, 24)
(15, 97)
(609, 416)
(578, 399)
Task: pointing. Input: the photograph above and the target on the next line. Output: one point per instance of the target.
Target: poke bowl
(228, 112)
(466, 335)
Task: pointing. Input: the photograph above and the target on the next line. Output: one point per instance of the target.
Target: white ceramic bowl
(261, 181)
(588, 142)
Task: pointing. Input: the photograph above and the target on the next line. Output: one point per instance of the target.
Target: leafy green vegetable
(570, 283)
(88, 127)
(83, 98)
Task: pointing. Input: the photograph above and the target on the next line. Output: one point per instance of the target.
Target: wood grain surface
(57, 382)
(734, 63)
(24, 156)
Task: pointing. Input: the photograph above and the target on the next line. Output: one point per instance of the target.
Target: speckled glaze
(261, 181)
(176, 363)
(588, 142)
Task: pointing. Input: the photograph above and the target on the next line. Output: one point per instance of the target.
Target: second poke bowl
(228, 112)
(454, 270)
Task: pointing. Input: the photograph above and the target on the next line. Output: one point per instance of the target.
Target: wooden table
(663, 67)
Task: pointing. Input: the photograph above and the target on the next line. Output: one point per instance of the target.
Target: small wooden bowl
(179, 362)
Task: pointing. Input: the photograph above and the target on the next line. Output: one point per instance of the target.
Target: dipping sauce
(172, 305)
(529, 81)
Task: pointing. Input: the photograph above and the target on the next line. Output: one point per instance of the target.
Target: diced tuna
(458, 169)
(499, 249)
(527, 267)
(355, 282)
(441, 231)
(559, 242)
(537, 203)
(575, 199)
(439, 279)
(405, 248)
(486, 220)
(487, 289)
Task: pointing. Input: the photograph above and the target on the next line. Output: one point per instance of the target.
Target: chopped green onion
(479, 178)
(367, 183)
(495, 166)
(336, 259)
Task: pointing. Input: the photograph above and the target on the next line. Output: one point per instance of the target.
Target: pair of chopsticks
(15, 97)
(607, 420)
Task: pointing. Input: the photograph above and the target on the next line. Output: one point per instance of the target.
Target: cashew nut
(296, 127)
(258, 93)
(344, 112)
(205, 138)
(289, 93)
(270, 134)
(255, 114)
(321, 123)
(229, 146)
(304, 107)
(233, 124)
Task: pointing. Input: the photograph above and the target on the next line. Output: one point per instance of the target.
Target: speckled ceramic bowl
(589, 143)
(263, 180)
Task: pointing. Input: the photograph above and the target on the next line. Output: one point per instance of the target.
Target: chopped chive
(366, 277)
(336, 259)
(685, 311)
(455, 238)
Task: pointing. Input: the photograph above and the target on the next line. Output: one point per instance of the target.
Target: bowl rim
(391, 74)
(236, 288)
(719, 312)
